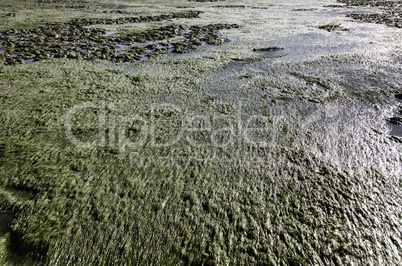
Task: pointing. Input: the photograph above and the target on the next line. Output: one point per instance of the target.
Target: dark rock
(267, 49)
(196, 42)
(164, 44)
(396, 121)
(332, 27)
(151, 46)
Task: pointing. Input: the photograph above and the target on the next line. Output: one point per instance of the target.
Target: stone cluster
(74, 40)
(392, 15)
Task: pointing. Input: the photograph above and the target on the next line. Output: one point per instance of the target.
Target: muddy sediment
(324, 190)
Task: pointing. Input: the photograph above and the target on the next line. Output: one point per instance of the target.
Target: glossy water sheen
(322, 188)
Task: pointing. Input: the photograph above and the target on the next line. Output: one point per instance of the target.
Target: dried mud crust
(72, 40)
(391, 16)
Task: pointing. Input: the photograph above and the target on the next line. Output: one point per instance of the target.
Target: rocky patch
(371, 3)
(205, 0)
(332, 27)
(389, 18)
(4, 15)
(267, 49)
(305, 9)
(73, 40)
(391, 15)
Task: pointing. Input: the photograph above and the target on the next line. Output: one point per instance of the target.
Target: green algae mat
(200, 132)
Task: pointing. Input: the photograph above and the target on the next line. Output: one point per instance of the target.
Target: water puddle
(395, 121)
(122, 46)
(144, 57)
(14, 37)
(29, 61)
(176, 41)
(231, 39)
(160, 46)
(396, 131)
(320, 86)
(111, 32)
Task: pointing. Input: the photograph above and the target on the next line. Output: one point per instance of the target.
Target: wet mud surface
(287, 121)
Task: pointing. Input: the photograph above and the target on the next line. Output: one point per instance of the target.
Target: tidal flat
(181, 132)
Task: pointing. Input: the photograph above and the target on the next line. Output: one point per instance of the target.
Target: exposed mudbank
(391, 14)
(73, 40)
